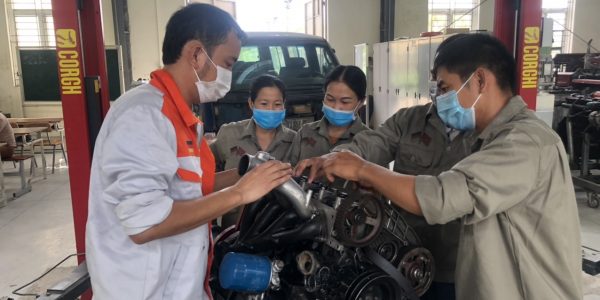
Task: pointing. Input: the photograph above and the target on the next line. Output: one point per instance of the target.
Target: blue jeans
(440, 291)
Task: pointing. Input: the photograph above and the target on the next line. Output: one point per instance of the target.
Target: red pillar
(80, 53)
(517, 23)
(529, 36)
(504, 22)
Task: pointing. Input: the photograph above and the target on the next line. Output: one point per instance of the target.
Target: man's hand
(315, 164)
(346, 165)
(187, 215)
(261, 180)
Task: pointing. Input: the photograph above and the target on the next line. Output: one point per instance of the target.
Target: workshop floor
(36, 232)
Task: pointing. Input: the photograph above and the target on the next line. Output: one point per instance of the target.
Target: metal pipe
(292, 191)
(570, 141)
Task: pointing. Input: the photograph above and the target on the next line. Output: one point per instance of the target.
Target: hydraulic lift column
(518, 25)
(81, 59)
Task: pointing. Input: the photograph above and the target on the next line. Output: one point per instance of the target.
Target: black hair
(464, 53)
(204, 22)
(352, 76)
(264, 81)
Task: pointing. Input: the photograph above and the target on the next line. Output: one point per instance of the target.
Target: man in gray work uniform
(520, 236)
(419, 143)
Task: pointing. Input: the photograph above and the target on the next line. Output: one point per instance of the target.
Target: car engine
(318, 241)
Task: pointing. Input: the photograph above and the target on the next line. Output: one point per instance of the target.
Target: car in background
(301, 61)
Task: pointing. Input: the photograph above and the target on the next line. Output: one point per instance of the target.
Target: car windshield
(298, 66)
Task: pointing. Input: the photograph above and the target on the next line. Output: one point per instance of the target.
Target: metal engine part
(374, 285)
(329, 255)
(290, 189)
(359, 221)
(416, 266)
(307, 263)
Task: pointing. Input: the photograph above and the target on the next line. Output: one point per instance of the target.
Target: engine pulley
(359, 220)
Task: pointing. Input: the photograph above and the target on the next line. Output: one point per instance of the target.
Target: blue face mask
(268, 119)
(452, 113)
(338, 117)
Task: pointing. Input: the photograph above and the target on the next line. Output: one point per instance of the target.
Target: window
(452, 13)
(557, 10)
(33, 24)
(249, 54)
(297, 66)
(298, 51)
(326, 63)
(277, 58)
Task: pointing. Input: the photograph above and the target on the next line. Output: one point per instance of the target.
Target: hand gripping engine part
(292, 191)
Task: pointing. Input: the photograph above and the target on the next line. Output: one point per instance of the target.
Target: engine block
(353, 245)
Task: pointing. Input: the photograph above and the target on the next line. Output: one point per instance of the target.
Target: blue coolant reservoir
(245, 272)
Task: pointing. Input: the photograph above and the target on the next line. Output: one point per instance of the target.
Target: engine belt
(388, 268)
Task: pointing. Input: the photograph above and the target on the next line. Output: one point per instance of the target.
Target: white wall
(485, 19)
(352, 22)
(585, 24)
(108, 23)
(147, 22)
(10, 95)
(411, 18)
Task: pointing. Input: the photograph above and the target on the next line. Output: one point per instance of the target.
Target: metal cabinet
(423, 71)
(404, 67)
(412, 73)
(380, 83)
(398, 76)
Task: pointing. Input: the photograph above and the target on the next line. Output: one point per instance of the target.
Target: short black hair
(264, 81)
(198, 21)
(464, 53)
(352, 76)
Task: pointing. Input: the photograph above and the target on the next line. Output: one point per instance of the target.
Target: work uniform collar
(163, 80)
(508, 112)
(431, 117)
(281, 135)
(355, 128)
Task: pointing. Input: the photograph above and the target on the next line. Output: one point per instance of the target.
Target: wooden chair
(54, 141)
(21, 158)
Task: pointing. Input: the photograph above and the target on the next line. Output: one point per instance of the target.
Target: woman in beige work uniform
(263, 132)
(345, 92)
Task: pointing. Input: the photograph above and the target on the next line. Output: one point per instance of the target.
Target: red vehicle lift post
(81, 55)
(518, 25)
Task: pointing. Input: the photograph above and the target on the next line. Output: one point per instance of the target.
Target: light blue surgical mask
(338, 117)
(268, 119)
(452, 113)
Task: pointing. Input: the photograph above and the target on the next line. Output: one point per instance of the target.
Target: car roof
(254, 37)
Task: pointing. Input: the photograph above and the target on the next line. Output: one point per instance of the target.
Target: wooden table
(51, 123)
(27, 130)
(34, 120)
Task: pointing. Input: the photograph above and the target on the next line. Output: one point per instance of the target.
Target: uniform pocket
(186, 278)
(414, 157)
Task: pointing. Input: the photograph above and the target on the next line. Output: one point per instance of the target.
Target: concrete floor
(36, 232)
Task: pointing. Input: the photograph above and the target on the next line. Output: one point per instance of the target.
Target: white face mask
(214, 90)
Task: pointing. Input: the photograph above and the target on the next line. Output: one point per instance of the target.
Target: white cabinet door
(423, 71)
(398, 75)
(380, 83)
